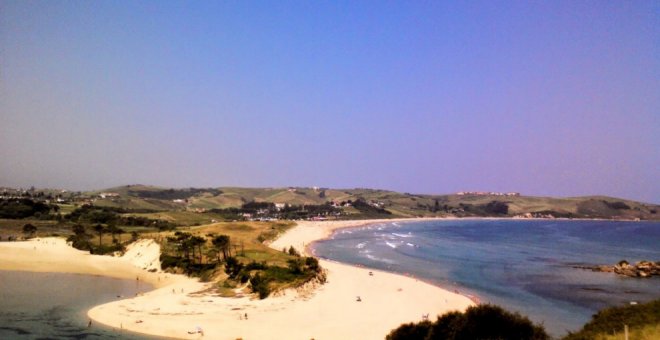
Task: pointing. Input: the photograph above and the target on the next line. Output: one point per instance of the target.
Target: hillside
(148, 199)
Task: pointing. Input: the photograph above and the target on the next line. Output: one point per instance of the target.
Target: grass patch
(648, 332)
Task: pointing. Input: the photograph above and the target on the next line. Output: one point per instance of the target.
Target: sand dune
(179, 304)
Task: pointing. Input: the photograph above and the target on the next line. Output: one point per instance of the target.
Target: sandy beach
(179, 304)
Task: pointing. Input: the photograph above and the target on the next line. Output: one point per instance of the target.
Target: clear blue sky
(556, 98)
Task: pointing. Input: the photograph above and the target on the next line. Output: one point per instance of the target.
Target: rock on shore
(640, 269)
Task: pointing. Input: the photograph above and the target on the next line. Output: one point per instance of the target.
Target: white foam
(361, 245)
(392, 245)
(371, 257)
(402, 235)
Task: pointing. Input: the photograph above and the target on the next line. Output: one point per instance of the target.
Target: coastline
(178, 304)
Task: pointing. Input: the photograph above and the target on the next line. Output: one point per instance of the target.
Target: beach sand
(179, 304)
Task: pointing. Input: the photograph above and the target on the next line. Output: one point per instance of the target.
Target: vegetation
(640, 318)
(646, 332)
(172, 194)
(233, 255)
(492, 322)
(113, 216)
(478, 322)
(193, 206)
(80, 238)
(15, 208)
(617, 205)
(496, 208)
(29, 230)
(370, 211)
(268, 210)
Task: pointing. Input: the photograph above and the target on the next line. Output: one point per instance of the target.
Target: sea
(54, 305)
(525, 266)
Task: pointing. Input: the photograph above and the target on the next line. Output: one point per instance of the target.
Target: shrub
(478, 322)
(411, 331)
(233, 267)
(293, 251)
(256, 266)
(295, 266)
(260, 286)
(312, 263)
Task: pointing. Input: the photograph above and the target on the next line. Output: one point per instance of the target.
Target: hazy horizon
(546, 99)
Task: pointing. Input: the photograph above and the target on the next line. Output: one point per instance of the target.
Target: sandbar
(179, 306)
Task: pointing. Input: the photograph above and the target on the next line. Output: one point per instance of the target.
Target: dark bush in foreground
(479, 322)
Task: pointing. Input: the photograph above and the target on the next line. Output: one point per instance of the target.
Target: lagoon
(55, 305)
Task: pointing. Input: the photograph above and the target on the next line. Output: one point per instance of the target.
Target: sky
(545, 98)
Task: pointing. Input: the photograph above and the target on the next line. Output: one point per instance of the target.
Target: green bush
(233, 267)
(15, 208)
(260, 286)
(313, 264)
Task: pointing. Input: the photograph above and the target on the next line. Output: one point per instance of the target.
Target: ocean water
(55, 305)
(522, 265)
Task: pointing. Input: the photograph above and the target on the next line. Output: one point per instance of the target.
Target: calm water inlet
(55, 305)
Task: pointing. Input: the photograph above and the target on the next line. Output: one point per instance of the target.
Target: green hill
(147, 199)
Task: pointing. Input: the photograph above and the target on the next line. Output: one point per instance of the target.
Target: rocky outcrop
(641, 269)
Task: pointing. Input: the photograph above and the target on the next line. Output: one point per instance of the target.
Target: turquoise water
(523, 265)
(55, 305)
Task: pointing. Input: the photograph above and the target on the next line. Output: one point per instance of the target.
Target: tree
(29, 230)
(184, 245)
(78, 229)
(198, 242)
(80, 238)
(260, 286)
(222, 243)
(114, 231)
(295, 265)
(99, 229)
(233, 267)
(293, 251)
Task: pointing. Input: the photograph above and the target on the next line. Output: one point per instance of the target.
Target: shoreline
(178, 304)
(309, 251)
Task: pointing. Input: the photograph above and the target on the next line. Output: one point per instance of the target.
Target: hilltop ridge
(355, 203)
